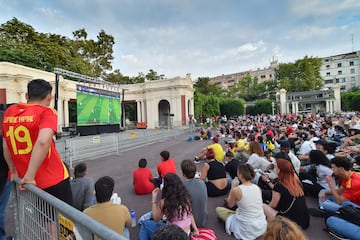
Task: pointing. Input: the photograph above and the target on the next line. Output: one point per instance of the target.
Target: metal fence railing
(76, 149)
(41, 216)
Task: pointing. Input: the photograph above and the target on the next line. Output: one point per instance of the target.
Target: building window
(263, 76)
(342, 80)
(353, 78)
(328, 74)
(351, 63)
(339, 72)
(337, 80)
(327, 66)
(339, 64)
(343, 87)
(326, 60)
(352, 70)
(329, 81)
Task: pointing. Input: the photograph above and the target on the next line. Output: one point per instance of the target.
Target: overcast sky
(201, 37)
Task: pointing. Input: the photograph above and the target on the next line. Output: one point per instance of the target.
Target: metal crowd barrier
(39, 215)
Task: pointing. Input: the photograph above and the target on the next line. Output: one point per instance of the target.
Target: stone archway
(164, 113)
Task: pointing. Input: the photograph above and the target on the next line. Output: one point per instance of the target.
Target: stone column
(337, 102)
(296, 107)
(327, 108)
(283, 105)
(66, 112)
(139, 111)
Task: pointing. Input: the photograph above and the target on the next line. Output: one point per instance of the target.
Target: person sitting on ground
(287, 196)
(142, 178)
(170, 232)
(248, 221)
(313, 175)
(198, 192)
(349, 190)
(175, 204)
(215, 174)
(285, 147)
(114, 216)
(217, 149)
(167, 165)
(339, 226)
(282, 228)
(82, 188)
(256, 160)
(231, 164)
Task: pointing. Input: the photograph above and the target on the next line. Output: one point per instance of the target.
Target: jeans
(148, 228)
(330, 203)
(343, 227)
(4, 197)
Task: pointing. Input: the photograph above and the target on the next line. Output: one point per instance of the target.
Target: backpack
(350, 214)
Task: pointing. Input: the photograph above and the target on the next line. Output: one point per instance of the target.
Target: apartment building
(226, 81)
(342, 70)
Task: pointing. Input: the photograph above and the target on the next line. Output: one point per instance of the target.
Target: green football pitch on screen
(93, 109)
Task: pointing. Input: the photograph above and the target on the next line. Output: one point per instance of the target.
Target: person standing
(28, 131)
(5, 188)
(82, 188)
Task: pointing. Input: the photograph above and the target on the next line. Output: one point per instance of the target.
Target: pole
(57, 78)
(123, 109)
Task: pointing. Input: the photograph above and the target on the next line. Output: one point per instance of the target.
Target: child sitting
(142, 178)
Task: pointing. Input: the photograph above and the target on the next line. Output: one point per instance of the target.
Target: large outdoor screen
(97, 106)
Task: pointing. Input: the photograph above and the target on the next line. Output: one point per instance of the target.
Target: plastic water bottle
(133, 217)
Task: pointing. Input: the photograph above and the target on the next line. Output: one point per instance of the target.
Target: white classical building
(160, 103)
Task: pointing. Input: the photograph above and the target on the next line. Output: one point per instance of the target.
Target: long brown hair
(255, 147)
(288, 178)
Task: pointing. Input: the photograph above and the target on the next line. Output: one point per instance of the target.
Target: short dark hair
(188, 168)
(343, 162)
(142, 163)
(165, 155)
(170, 232)
(80, 170)
(246, 170)
(104, 188)
(38, 89)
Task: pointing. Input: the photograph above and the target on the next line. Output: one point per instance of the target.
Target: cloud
(47, 12)
(324, 8)
(132, 59)
(250, 47)
(310, 32)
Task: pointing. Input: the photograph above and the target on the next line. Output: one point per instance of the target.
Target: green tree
(231, 107)
(98, 53)
(204, 86)
(303, 75)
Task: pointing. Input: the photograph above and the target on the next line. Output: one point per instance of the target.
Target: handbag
(205, 234)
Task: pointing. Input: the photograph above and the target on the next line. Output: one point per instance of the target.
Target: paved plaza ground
(120, 168)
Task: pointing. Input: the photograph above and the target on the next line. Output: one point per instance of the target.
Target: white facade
(154, 99)
(342, 70)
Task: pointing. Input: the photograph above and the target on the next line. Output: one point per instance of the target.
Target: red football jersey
(20, 128)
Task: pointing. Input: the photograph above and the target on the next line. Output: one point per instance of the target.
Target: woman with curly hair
(175, 204)
(287, 194)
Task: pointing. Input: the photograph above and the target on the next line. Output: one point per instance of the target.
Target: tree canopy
(303, 75)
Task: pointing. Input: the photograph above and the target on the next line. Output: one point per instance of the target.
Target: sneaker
(336, 236)
(196, 159)
(320, 213)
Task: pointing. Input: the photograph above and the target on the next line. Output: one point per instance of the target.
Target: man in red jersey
(29, 147)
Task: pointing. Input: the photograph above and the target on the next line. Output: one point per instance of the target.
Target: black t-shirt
(3, 167)
(297, 212)
(216, 170)
(231, 167)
